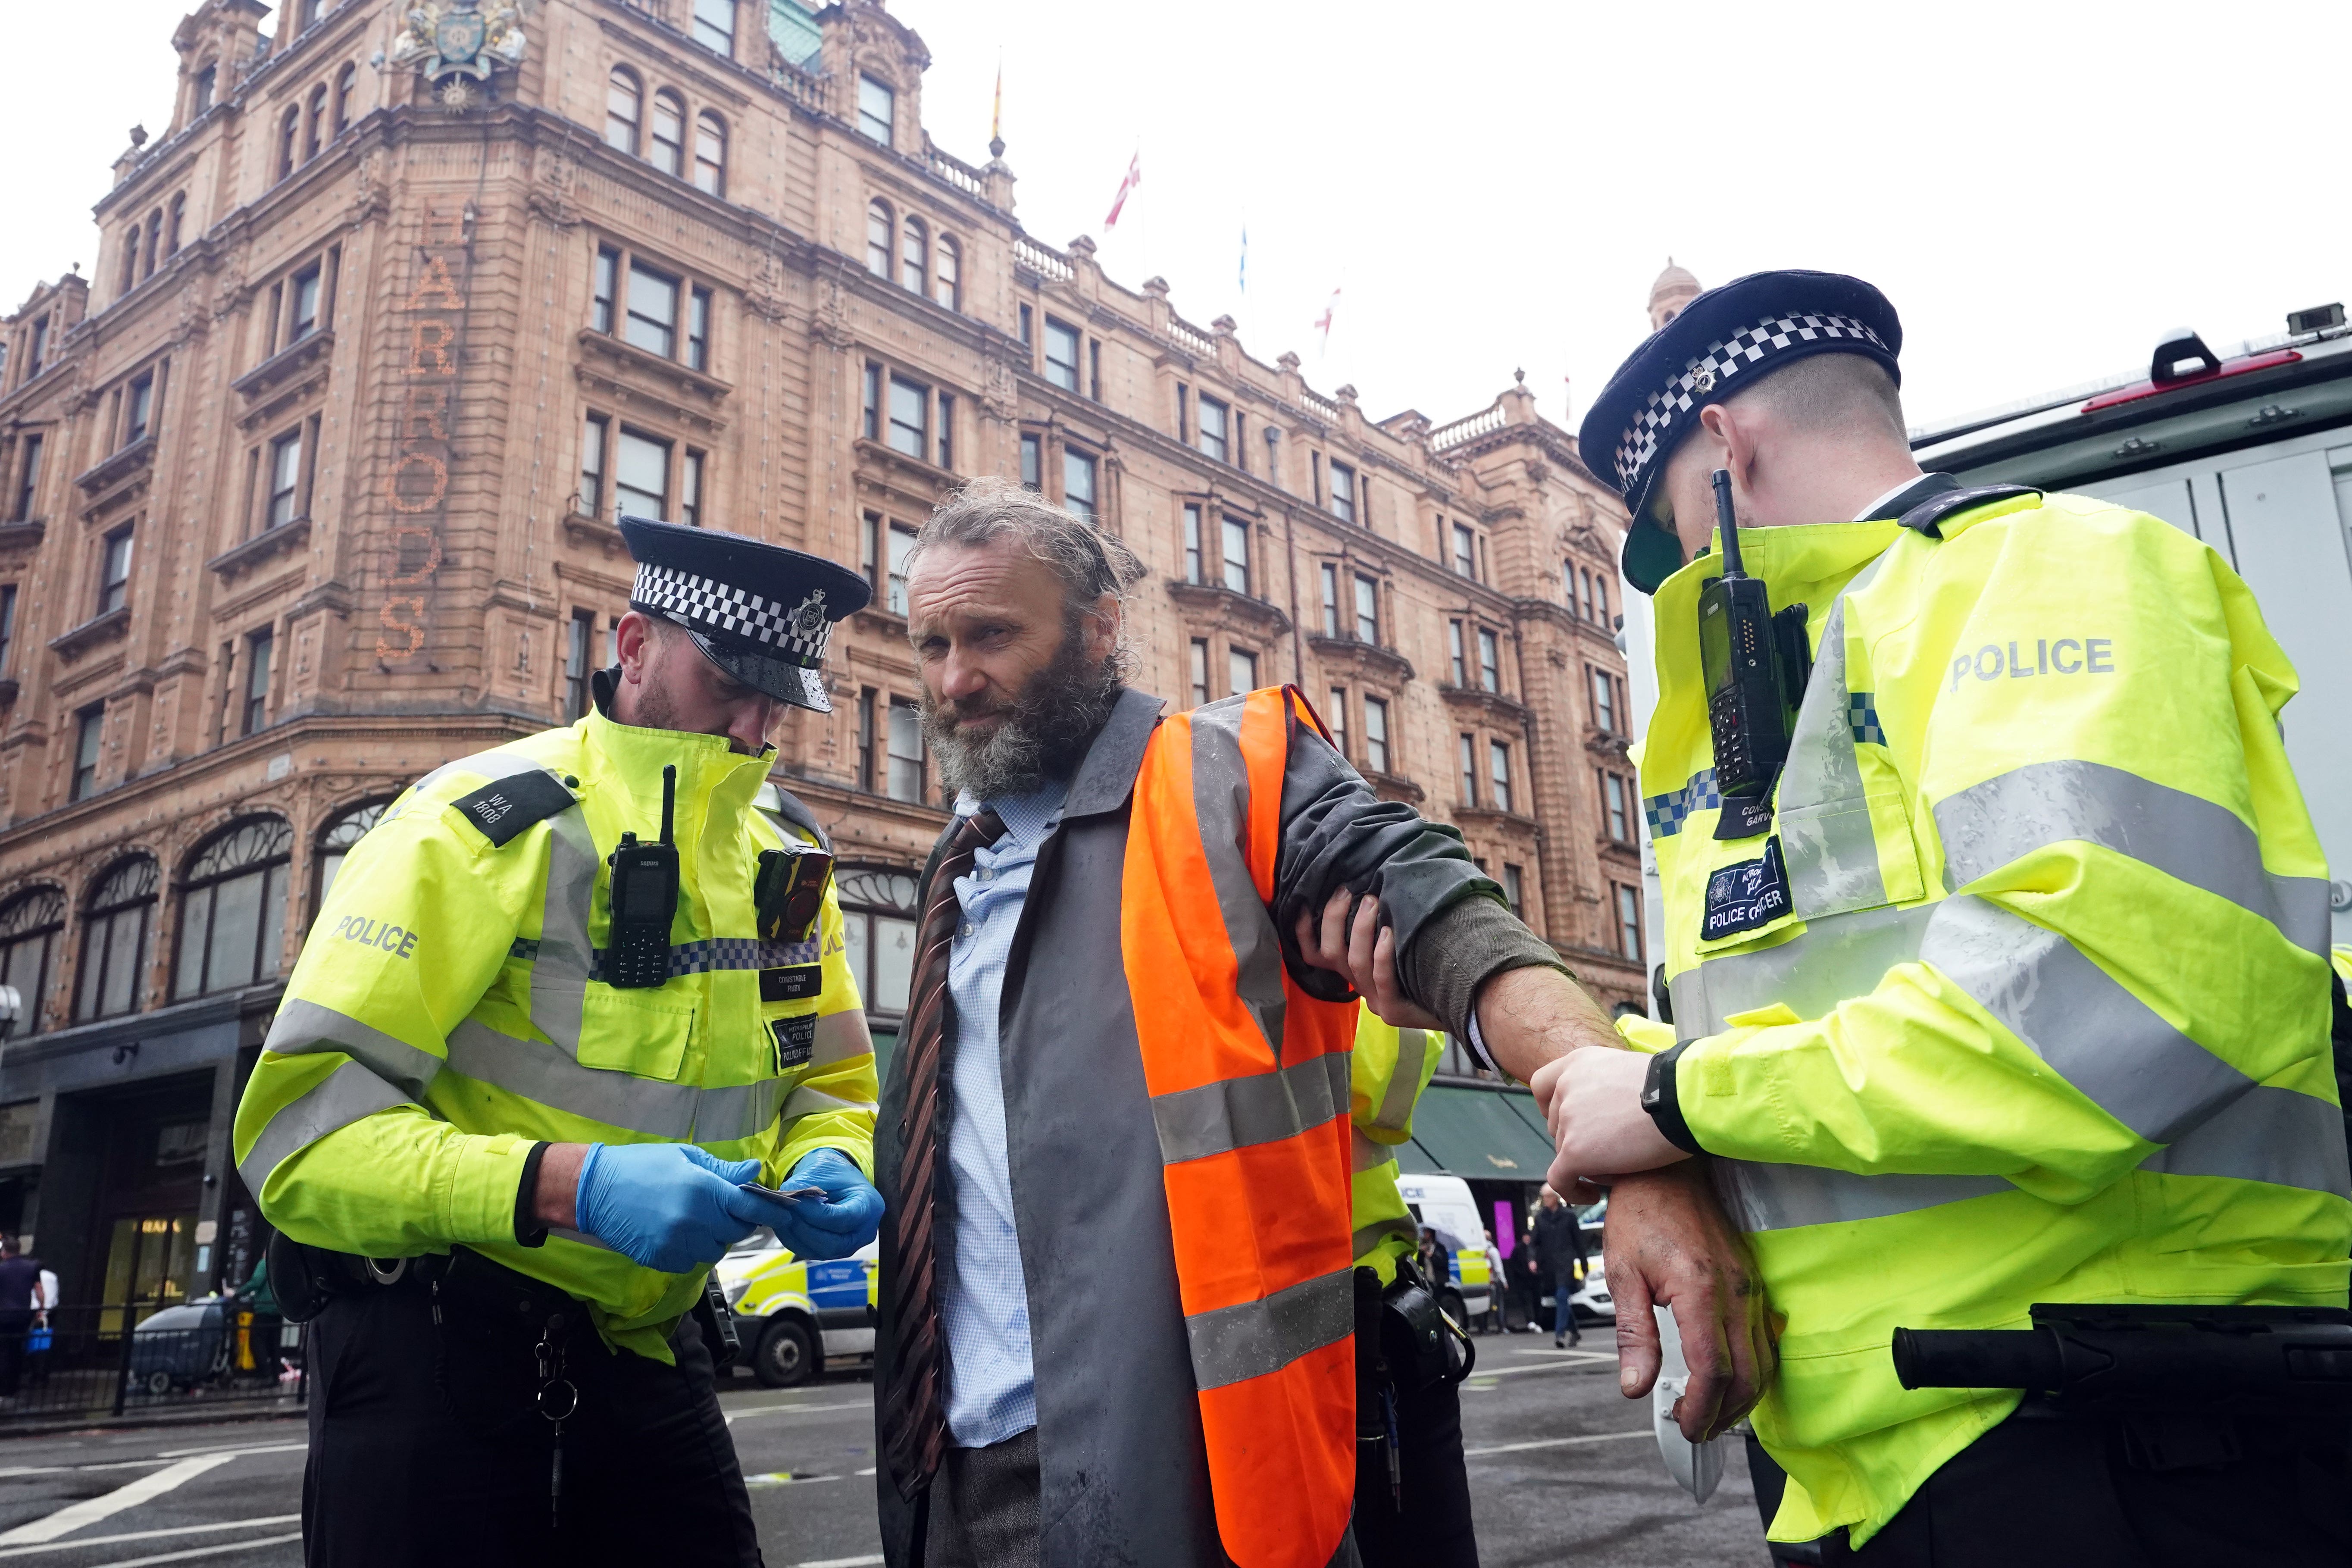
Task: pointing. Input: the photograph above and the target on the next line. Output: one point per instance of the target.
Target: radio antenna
(669, 800)
(1727, 524)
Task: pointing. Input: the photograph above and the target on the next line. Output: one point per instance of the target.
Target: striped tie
(914, 1407)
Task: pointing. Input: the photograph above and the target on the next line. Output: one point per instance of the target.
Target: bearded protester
(1119, 1299)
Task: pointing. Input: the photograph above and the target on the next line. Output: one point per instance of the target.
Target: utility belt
(1405, 1343)
(2186, 1385)
(512, 1353)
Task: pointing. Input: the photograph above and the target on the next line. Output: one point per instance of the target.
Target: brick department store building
(310, 485)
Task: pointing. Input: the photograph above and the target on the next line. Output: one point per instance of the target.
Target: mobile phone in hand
(788, 1195)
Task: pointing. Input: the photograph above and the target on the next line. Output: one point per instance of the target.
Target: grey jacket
(1124, 1467)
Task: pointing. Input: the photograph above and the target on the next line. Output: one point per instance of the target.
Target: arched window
(290, 133)
(232, 908)
(179, 216)
(317, 130)
(130, 259)
(877, 239)
(949, 288)
(710, 153)
(114, 934)
(154, 241)
(346, 85)
(914, 254)
(669, 133)
(29, 928)
(624, 101)
(341, 834)
(878, 911)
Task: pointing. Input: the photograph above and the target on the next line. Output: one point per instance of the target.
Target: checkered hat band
(797, 634)
(1742, 351)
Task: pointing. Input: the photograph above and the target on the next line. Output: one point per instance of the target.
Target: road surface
(1561, 1469)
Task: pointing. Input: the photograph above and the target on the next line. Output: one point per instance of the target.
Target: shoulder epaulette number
(503, 808)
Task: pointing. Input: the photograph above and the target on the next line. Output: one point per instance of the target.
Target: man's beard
(1042, 732)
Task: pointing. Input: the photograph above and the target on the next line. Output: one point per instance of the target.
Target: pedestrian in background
(20, 1284)
(1561, 1242)
(1494, 1284)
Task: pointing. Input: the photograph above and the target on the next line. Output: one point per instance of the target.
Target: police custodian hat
(1724, 341)
(759, 611)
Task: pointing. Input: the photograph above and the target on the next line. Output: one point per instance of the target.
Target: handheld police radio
(1756, 665)
(645, 901)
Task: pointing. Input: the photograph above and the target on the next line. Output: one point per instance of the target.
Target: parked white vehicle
(793, 1315)
(1443, 1203)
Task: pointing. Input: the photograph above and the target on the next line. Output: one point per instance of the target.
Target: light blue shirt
(991, 1378)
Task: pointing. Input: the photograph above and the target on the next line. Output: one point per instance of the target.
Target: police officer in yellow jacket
(570, 1014)
(2006, 985)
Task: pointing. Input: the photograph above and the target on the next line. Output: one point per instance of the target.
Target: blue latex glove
(666, 1206)
(847, 1218)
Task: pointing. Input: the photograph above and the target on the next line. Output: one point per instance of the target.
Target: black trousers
(2040, 1493)
(13, 1326)
(1434, 1529)
(425, 1447)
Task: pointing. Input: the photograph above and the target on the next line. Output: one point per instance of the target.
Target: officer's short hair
(1089, 561)
(1834, 393)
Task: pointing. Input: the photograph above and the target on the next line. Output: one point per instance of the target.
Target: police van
(795, 1315)
(1443, 1203)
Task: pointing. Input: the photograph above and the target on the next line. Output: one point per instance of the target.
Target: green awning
(1473, 1132)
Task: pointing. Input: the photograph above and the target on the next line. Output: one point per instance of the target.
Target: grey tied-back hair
(1089, 561)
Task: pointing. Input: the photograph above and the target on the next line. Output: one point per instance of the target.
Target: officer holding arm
(1996, 928)
(568, 1010)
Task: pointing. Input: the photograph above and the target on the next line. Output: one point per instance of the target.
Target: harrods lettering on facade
(310, 486)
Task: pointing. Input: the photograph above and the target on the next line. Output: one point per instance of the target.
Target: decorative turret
(1674, 289)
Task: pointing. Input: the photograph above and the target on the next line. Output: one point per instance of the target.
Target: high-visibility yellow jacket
(2041, 1014)
(1386, 1074)
(448, 1011)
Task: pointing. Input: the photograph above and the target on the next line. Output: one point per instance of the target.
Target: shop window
(342, 836)
(232, 909)
(878, 918)
(114, 937)
(32, 931)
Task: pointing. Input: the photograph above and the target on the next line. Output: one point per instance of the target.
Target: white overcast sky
(2040, 188)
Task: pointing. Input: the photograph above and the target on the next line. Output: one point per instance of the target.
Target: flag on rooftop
(1323, 321)
(1119, 202)
(1241, 278)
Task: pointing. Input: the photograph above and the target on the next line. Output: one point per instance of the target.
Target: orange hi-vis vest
(1248, 1077)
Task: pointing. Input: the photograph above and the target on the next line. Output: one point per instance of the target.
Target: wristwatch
(1658, 1098)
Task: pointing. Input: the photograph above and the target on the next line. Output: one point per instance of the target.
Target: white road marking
(89, 1510)
(151, 1534)
(206, 1551)
(828, 1562)
(14, 1470)
(796, 1410)
(867, 1471)
(262, 1448)
(1542, 1442)
(785, 1478)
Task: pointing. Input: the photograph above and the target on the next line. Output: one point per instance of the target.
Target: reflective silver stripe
(1811, 972)
(2267, 1134)
(680, 1112)
(1221, 802)
(559, 978)
(841, 1036)
(490, 766)
(304, 1028)
(346, 1095)
(2206, 844)
(1395, 1114)
(1826, 842)
(736, 1111)
(2304, 912)
(2100, 1037)
(1364, 1155)
(816, 1102)
(1231, 1345)
(1372, 1234)
(1262, 1108)
(1782, 1197)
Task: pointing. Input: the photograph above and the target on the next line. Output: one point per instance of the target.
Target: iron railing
(75, 1362)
